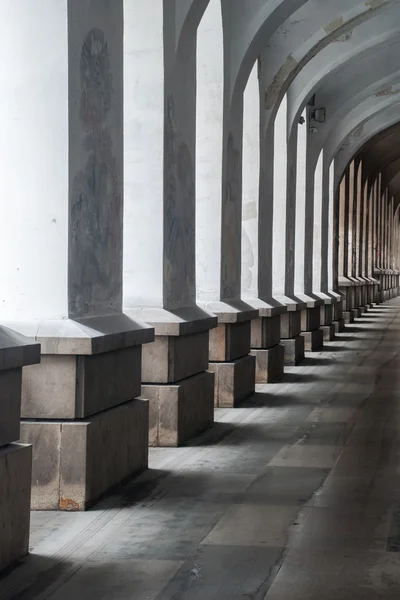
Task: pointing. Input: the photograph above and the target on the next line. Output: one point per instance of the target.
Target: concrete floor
(296, 495)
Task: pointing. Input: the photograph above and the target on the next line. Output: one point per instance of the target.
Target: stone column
(63, 265)
(265, 331)
(159, 226)
(219, 216)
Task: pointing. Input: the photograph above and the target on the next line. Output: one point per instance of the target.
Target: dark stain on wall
(95, 234)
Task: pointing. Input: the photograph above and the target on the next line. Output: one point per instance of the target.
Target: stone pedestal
(348, 317)
(339, 326)
(76, 462)
(328, 332)
(266, 347)
(231, 362)
(176, 381)
(291, 339)
(15, 459)
(310, 328)
(80, 412)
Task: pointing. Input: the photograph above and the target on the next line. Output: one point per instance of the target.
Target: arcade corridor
(293, 496)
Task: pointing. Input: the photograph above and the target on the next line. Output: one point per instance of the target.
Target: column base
(269, 364)
(328, 332)
(339, 326)
(313, 340)
(356, 312)
(294, 350)
(180, 410)
(76, 462)
(15, 498)
(234, 381)
(348, 317)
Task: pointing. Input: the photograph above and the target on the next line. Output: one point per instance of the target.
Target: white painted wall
(251, 180)
(33, 159)
(317, 256)
(143, 153)
(300, 206)
(209, 153)
(280, 187)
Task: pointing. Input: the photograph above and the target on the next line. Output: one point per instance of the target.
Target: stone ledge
(234, 311)
(267, 308)
(292, 304)
(16, 350)
(182, 321)
(91, 335)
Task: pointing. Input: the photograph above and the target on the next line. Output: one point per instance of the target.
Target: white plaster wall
(209, 153)
(280, 187)
(300, 207)
(143, 153)
(331, 224)
(251, 178)
(33, 159)
(317, 256)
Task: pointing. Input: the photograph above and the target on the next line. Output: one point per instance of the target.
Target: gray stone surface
(76, 462)
(68, 387)
(265, 332)
(269, 364)
(310, 319)
(328, 332)
(172, 358)
(180, 411)
(291, 325)
(234, 381)
(327, 312)
(313, 340)
(348, 317)
(10, 405)
(294, 350)
(230, 341)
(15, 494)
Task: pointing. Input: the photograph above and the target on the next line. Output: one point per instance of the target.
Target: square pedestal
(15, 499)
(348, 317)
(326, 314)
(310, 319)
(313, 340)
(291, 324)
(230, 341)
(269, 364)
(265, 332)
(181, 410)
(234, 381)
(339, 326)
(78, 387)
(172, 358)
(356, 312)
(328, 332)
(10, 406)
(76, 462)
(294, 350)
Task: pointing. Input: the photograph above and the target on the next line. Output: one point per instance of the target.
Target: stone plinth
(269, 364)
(326, 314)
(310, 319)
(15, 459)
(294, 350)
(15, 501)
(229, 351)
(265, 344)
(76, 462)
(328, 332)
(313, 340)
(234, 381)
(291, 339)
(175, 379)
(79, 411)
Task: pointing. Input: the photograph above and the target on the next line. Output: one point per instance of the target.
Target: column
(265, 331)
(159, 225)
(219, 217)
(63, 265)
